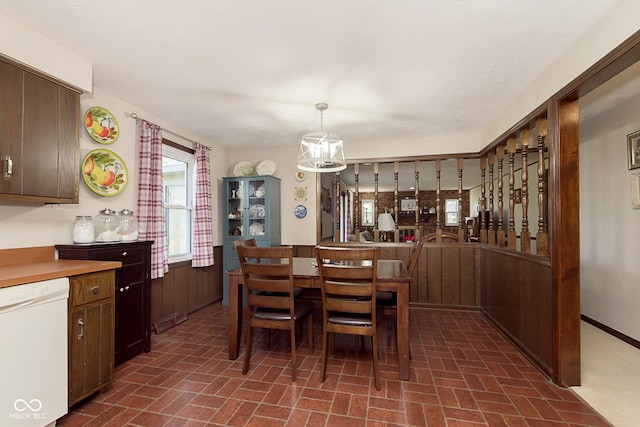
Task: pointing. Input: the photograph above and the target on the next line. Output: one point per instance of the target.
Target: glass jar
(83, 229)
(106, 225)
(128, 229)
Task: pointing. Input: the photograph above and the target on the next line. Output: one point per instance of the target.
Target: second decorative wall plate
(300, 193)
(104, 172)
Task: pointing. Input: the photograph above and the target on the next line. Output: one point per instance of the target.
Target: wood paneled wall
(186, 289)
(516, 294)
(446, 274)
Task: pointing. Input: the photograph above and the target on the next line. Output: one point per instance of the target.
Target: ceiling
(247, 73)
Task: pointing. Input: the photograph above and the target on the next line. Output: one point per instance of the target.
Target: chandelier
(321, 151)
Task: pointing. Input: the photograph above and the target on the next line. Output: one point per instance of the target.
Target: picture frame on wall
(633, 149)
(407, 205)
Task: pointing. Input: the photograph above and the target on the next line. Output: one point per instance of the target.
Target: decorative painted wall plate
(300, 193)
(300, 175)
(101, 125)
(301, 211)
(104, 172)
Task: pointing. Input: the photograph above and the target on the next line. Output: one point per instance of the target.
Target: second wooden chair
(348, 279)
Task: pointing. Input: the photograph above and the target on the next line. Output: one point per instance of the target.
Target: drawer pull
(126, 288)
(124, 253)
(95, 289)
(81, 331)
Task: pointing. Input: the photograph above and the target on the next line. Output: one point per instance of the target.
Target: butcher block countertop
(26, 265)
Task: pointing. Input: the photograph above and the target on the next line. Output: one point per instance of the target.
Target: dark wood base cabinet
(90, 334)
(132, 291)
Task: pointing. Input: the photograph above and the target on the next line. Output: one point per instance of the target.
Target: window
(367, 212)
(451, 212)
(178, 181)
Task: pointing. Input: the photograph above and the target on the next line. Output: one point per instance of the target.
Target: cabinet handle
(121, 289)
(126, 288)
(95, 289)
(81, 326)
(8, 168)
(124, 253)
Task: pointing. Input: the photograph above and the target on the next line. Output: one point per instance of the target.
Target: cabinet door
(40, 140)
(68, 145)
(130, 320)
(258, 226)
(10, 127)
(235, 222)
(91, 349)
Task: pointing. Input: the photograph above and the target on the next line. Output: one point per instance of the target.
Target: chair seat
(351, 319)
(301, 309)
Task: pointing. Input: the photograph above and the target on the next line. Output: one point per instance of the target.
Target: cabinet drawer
(126, 256)
(86, 288)
(131, 275)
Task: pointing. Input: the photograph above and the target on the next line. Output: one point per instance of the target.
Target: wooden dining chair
(348, 280)
(270, 296)
(388, 301)
(247, 242)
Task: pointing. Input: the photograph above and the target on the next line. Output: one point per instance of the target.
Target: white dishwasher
(33, 353)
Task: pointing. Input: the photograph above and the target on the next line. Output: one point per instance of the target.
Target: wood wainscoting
(446, 274)
(186, 289)
(517, 295)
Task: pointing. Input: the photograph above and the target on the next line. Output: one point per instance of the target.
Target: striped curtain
(151, 220)
(202, 233)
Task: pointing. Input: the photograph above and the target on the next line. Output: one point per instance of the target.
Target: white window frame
(451, 218)
(190, 160)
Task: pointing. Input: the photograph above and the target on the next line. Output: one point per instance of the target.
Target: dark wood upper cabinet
(39, 138)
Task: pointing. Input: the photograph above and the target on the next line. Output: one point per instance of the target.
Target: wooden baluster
(483, 200)
(501, 235)
(490, 229)
(525, 234)
(376, 232)
(542, 236)
(396, 232)
(356, 203)
(511, 150)
(336, 212)
(461, 225)
(438, 221)
(416, 232)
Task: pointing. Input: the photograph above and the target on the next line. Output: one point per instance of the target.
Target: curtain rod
(135, 116)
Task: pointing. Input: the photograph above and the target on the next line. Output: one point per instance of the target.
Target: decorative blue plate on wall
(301, 211)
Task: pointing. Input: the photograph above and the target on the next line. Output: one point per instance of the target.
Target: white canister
(83, 229)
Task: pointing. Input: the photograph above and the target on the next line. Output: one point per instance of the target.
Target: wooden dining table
(392, 276)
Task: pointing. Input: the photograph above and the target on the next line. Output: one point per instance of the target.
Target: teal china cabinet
(252, 209)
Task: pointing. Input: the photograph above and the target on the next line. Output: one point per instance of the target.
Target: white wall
(609, 227)
(28, 224)
(24, 45)
(606, 35)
